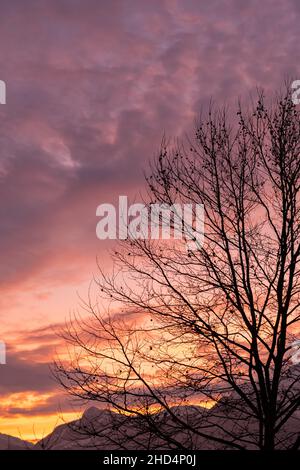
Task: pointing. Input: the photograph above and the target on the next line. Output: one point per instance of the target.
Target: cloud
(27, 386)
(91, 88)
(26, 372)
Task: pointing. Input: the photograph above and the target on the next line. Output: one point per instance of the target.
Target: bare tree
(212, 326)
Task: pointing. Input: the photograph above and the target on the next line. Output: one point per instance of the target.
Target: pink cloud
(91, 87)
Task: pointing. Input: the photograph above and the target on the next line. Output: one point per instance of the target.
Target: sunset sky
(91, 88)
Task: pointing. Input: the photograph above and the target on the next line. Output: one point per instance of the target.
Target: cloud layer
(91, 88)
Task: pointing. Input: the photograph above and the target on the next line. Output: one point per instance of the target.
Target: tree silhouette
(213, 326)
